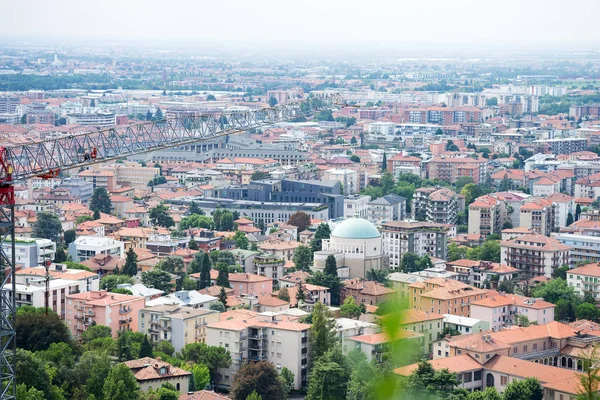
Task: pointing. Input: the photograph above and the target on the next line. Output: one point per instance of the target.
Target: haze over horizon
(313, 24)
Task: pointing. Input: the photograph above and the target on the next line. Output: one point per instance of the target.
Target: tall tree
(47, 226)
(223, 296)
(323, 232)
(287, 378)
(322, 336)
(303, 258)
(60, 255)
(204, 281)
(569, 219)
(100, 201)
(37, 331)
(272, 103)
(328, 378)
(157, 279)
(330, 266)
(145, 348)
(577, 212)
(200, 376)
(195, 209)
(350, 309)
(131, 267)
(193, 245)
(260, 377)
(284, 294)
(300, 219)
(70, 236)
(121, 384)
(300, 295)
(384, 163)
(223, 277)
(159, 216)
(241, 240)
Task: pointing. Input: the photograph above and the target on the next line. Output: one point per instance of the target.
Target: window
(477, 376)
(504, 380)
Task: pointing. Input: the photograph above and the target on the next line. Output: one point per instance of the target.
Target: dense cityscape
(179, 222)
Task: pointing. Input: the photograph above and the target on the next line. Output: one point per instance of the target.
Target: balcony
(124, 310)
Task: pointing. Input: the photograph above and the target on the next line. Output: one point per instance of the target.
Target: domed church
(356, 244)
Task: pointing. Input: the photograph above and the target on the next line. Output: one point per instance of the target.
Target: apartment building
(465, 325)
(444, 296)
(356, 205)
(365, 292)
(30, 252)
(538, 215)
(251, 284)
(481, 273)
(422, 238)
(118, 311)
(390, 207)
(584, 247)
(260, 338)
(485, 216)
(268, 265)
(103, 120)
(100, 178)
(534, 255)
(347, 328)
(429, 324)
(87, 247)
(449, 169)
(501, 310)
(438, 205)
(175, 324)
(400, 164)
(585, 279)
(376, 346)
(347, 177)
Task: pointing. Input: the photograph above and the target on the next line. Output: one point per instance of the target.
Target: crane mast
(47, 158)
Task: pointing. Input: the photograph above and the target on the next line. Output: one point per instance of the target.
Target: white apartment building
(96, 119)
(189, 298)
(583, 247)
(347, 177)
(356, 205)
(465, 325)
(585, 279)
(31, 252)
(382, 128)
(347, 328)
(176, 324)
(84, 248)
(261, 338)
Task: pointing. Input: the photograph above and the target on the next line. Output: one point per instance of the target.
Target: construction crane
(47, 158)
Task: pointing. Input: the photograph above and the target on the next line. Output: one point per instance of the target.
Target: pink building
(250, 284)
(118, 311)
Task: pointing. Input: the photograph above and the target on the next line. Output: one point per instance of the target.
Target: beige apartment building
(485, 216)
(283, 343)
(176, 324)
(538, 215)
(534, 255)
(501, 310)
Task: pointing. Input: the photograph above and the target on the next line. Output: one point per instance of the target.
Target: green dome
(356, 228)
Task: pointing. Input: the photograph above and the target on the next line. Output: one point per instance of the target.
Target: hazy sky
(309, 22)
